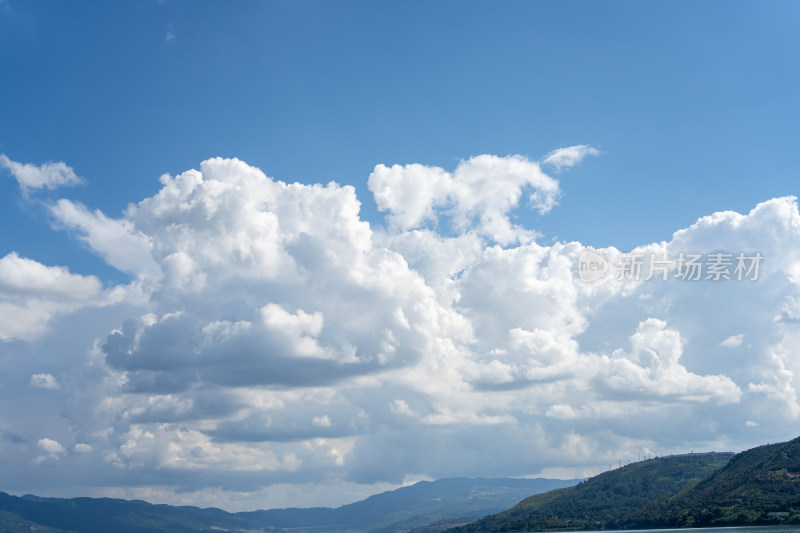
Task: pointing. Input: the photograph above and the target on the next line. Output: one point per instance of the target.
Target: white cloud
(20, 276)
(82, 448)
(400, 407)
(733, 341)
(563, 412)
(33, 295)
(52, 448)
(321, 421)
(48, 176)
(279, 332)
(300, 329)
(410, 193)
(114, 240)
(44, 381)
(653, 367)
(479, 194)
(275, 496)
(568, 157)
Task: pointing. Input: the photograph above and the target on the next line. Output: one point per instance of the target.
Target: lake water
(748, 529)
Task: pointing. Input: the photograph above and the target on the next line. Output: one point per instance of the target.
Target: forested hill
(759, 486)
(607, 501)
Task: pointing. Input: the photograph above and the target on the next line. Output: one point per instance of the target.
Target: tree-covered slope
(608, 500)
(758, 486)
(89, 515)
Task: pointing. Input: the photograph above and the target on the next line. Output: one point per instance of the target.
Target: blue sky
(687, 109)
(693, 105)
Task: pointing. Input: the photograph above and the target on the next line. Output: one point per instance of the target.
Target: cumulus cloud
(82, 448)
(278, 338)
(48, 176)
(652, 366)
(52, 448)
(44, 381)
(478, 194)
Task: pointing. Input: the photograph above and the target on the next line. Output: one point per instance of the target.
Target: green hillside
(606, 501)
(95, 515)
(759, 486)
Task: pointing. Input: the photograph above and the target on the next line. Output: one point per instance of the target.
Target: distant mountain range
(444, 501)
(756, 487)
(760, 486)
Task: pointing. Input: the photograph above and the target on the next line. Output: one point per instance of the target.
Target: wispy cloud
(170, 33)
(568, 157)
(31, 177)
(733, 341)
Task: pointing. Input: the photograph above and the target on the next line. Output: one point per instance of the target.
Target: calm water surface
(748, 529)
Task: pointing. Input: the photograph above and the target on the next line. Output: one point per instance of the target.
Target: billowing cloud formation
(48, 176)
(479, 193)
(272, 336)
